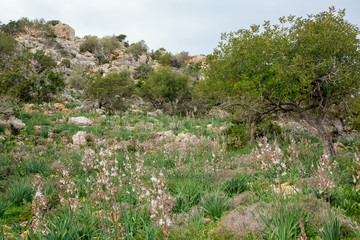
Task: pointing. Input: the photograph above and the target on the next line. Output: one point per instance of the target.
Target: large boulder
(64, 31)
(80, 121)
(79, 138)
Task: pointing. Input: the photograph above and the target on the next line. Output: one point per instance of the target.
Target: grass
(201, 178)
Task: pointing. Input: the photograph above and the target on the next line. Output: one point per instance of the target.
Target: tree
(304, 66)
(110, 90)
(166, 86)
(137, 49)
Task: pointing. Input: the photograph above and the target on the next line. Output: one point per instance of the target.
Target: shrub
(109, 91)
(167, 86)
(137, 49)
(90, 44)
(79, 77)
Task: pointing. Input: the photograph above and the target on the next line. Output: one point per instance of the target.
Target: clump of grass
(20, 192)
(236, 185)
(330, 227)
(283, 223)
(214, 204)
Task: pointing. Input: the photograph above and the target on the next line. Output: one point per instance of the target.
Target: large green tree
(304, 66)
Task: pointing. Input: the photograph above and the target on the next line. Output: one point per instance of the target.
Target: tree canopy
(306, 66)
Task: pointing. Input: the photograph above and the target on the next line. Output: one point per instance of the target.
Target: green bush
(137, 49)
(79, 77)
(109, 91)
(90, 44)
(167, 86)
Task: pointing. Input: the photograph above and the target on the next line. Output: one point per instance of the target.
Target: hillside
(103, 139)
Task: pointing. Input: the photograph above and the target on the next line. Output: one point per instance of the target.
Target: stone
(16, 124)
(80, 121)
(218, 112)
(64, 31)
(79, 138)
(2, 138)
(28, 108)
(100, 111)
(59, 107)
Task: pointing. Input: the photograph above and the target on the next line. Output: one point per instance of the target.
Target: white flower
(161, 222)
(38, 194)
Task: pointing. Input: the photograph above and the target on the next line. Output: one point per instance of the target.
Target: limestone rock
(79, 138)
(218, 112)
(59, 107)
(64, 31)
(100, 111)
(16, 124)
(80, 121)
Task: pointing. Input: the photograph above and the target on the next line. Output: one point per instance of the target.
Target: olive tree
(304, 66)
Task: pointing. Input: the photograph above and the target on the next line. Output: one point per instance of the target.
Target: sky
(194, 26)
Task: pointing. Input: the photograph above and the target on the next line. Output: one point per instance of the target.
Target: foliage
(236, 185)
(137, 49)
(79, 77)
(7, 44)
(101, 48)
(306, 66)
(110, 90)
(214, 204)
(283, 222)
(331, 228)
(166, 86)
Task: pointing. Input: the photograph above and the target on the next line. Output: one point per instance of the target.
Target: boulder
(80, 121)
(79, 138)
(64, 31)
(16, 124)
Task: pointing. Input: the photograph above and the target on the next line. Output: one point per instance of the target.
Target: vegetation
(170, 165)
(110, 91)
(167, 86)
(305, 66)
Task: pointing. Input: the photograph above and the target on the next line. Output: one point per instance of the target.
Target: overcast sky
(177, 25)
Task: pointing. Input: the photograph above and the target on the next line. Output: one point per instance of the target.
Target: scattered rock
(209, 127)
(218, 112)
(151, 114)
(159, 111)
(59, 107)
(16, 125)
(80, 121)
(100, 111)
(2, 138)
(79, 138)
(286, 189)
(28, 108)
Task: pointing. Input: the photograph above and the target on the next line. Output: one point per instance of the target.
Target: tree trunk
(327, 141)
(324, 134)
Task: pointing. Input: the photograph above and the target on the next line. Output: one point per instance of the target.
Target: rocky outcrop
(64, 31)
